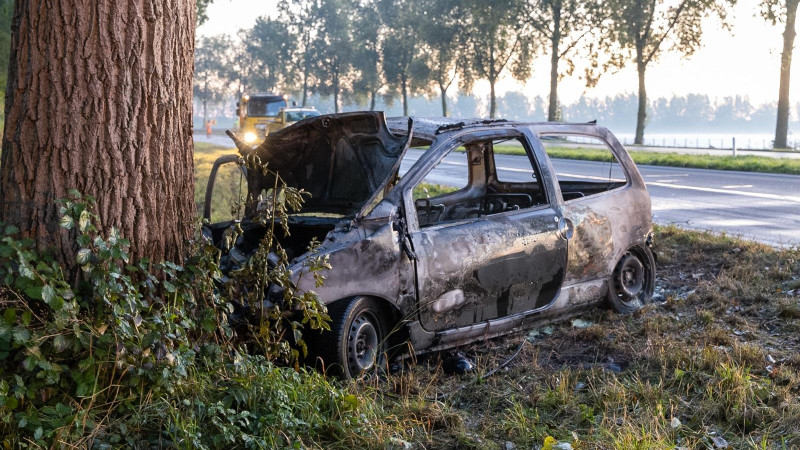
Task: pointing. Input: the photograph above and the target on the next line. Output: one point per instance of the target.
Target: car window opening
(596, 169)
(470, 184)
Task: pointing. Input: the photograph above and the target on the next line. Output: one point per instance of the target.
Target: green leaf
(48, 294)
(67, 222)
(60, 343)
(11, 229)
(21, 335)
(34, 292)
(12, 402)
(38, 433)
(10, 316)
(84, 255)
(169, 286)
(84, 221)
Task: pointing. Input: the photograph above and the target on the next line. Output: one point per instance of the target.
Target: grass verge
(742, 163)
(714, 360)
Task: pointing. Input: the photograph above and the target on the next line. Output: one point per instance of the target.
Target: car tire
(633, 281)
(356, 344)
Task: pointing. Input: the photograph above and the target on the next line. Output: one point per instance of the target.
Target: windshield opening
(265, 107)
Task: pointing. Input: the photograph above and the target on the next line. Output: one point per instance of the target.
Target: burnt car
(437, 240)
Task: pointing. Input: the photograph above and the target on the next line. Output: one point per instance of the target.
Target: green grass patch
(742, 163)
(229, 187)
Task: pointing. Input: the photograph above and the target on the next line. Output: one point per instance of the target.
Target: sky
(744, 61)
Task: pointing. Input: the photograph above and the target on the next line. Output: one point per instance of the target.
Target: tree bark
(641, 115)
(555, 40)
(99, 99)
(372, 101)
(782, 126)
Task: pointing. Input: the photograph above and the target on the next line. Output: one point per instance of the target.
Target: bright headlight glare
(250, 137)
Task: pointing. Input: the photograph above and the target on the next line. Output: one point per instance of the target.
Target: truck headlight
(250, 137)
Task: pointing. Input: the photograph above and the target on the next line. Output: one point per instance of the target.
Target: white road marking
(786, 198)
(737, 186)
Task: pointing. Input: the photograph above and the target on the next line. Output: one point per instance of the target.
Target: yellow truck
(258, 114)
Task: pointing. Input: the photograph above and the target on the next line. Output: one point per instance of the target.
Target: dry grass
(715, 357)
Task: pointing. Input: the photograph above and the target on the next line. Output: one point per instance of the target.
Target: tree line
(359, 51)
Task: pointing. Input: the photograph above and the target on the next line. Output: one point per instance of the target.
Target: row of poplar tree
(356, 50)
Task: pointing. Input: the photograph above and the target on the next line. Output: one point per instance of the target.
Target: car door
(499, 262)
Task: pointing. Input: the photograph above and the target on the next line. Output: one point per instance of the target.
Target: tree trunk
(443, 90)
(404, 87)
(555, 40)
(99, 99)
(372, 96)
(335, 86)
(492, 99)
(782, 126)
(641, 115)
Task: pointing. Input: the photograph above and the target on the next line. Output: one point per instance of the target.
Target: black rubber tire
(356, 344)
(633, 281)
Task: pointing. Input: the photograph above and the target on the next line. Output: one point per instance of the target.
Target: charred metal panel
(342, 160)
(372, 265)
(504, 265)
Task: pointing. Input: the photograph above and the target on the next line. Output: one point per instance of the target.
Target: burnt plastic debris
(457, 364)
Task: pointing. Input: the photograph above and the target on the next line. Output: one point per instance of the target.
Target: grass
(227, 190)
(714, 358)
(742, 163)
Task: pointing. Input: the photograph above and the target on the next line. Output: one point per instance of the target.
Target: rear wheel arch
(632, 282)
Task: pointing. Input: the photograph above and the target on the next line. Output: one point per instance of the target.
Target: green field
(743, 163)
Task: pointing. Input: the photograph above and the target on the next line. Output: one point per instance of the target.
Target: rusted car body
(490, 258)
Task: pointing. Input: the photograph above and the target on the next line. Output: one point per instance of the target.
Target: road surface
(758, 206)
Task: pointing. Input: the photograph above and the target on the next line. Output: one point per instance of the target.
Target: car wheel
(633, 280)
(356, 344)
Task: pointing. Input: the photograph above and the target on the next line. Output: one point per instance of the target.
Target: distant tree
(302, 19)
(211, 83)
(642, 31)
(498, 39)
(271, 48)
(775, 12)
(565, 25)
(402, 65)
(113, 122)
(515, 106)
(367, 54)
(332, 48)
(441, 38)
(202, 11)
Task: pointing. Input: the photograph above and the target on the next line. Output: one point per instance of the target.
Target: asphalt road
(762, 207)
(758, 206)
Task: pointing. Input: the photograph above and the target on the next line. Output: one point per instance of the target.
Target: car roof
(430, 127)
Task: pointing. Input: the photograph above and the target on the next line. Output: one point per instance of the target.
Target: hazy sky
(742, 62)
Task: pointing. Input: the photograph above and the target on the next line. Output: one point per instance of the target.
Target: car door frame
(551, 210)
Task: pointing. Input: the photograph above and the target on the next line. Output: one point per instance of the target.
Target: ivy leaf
(48, 294)
(84, 221)
(83, 256)
(20, 335)
(34, 292)
(67, 222)
(60, 343)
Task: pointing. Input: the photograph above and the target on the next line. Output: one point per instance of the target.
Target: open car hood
(344, 160)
